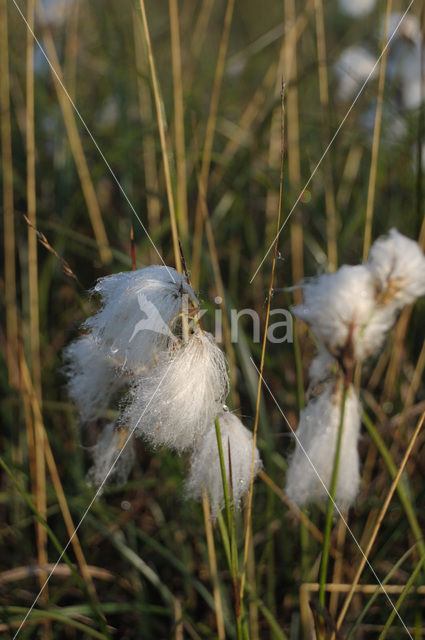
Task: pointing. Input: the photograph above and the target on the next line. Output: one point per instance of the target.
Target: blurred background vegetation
(141, 549)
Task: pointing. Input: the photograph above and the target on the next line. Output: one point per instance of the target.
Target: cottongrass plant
(316, 444)
(112, 461)
(175, 402)
(176, 377)
(237, 442)
(139, 310)
(93, 377)
(349, 312)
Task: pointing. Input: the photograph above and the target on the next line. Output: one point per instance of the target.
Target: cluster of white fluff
(174, 402)
(398, 265)
(403, 68)
(176, 386)
(310, 469)
(353, 67)
(92, 377)
(205, 466)
(356, 8)
(139, 309)
(358, 304)
(113, 457)
(349, 313)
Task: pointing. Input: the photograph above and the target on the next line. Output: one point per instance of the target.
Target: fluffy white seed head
(359, 304)
(352, 68)
(205, 465)
(322, 368)
(92, 377)
(138, 311)
(356, 8)
(398, 265)
(408, 27)
(110, 455)
(338, 305)
(316, 438)
(177, 399)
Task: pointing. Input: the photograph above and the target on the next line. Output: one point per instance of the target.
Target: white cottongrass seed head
(177, 399)
(356, 8)
(139, 309)
(322, 368)
(352, 68)
(359, 304)
(205, 468)
(113, 457)
(311, 465)
(398, 264)
(338, 305)
(92, 377)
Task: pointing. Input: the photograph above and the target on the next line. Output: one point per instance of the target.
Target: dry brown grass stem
(178, 617)
(71, 49)
(49, 458)
(209, 139)
(61, 571)
(263, 352)
(416, 379)
(338, 569)
(8, 205)
(293, 144)
(201, 26)
(376, 138)
(46, 244)
(34, 335)
(331, 224)
(349, 175)
(198, 38)
(75, 144)
(153, 202)
(37, 467)
(179, 120)
(34, 329)
(393, 369)
(161, 130)
(213, 566)
(379, 521)
(254, 627)
(228, 345)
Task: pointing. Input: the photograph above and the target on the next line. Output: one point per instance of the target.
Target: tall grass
(184, 100)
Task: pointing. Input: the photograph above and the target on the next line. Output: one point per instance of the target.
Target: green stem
(379, 591)
(401, 599)
(223, 474)
(225, 538)
(231, 528)
(401, 488)
(330, 507)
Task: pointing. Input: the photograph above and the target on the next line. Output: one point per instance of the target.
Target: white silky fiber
(139, 310)
(205, 464)
(310, 468)
(112, 461)
(175, 402)
(92, 377)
